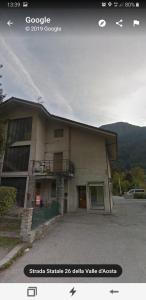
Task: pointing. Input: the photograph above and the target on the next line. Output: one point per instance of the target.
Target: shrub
(7, 199)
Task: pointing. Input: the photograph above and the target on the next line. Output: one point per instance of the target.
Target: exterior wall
(40, 138)
(45, 191)
(84, 148)
(88, 153)
(37, 146)
(56, 144)
(37, 152)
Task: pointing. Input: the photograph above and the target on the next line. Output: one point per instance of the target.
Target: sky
(96, 79)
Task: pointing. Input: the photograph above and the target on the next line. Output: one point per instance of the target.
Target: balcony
(62, 167)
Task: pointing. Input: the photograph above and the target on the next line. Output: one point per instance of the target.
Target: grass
(8, 242)
(9, 224)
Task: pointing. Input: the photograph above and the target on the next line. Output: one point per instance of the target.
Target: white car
(131, 193)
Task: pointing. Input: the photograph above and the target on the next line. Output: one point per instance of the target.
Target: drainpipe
(60, 192)
(108, 180)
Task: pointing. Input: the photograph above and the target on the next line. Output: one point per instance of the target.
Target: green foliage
(124, 181)
(131, 145)
(2, 96)
(7, 199)
(8, 242)
(138, 177)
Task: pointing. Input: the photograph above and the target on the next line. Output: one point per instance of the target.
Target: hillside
(131, 144)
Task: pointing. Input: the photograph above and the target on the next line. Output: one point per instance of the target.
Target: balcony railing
(53, 167)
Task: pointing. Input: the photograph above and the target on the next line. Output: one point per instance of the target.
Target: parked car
(135, 193)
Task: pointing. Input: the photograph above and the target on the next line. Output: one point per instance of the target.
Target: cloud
(94, 79)
(15, 60)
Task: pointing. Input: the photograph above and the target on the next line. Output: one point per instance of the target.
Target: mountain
(131, 144)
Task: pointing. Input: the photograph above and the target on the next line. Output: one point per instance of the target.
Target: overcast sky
(94, 79)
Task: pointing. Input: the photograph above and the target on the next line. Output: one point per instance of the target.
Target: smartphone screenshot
(72, 150)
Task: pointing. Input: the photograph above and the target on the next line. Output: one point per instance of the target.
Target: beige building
(50, 158)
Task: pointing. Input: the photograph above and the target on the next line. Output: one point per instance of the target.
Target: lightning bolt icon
(72, 291)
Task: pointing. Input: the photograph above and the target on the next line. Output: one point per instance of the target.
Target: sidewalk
(3, 252)
(7, 256)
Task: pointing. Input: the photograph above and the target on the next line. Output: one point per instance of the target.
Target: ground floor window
(19, 184)
(96, 195)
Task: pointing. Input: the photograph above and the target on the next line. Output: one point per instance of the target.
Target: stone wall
(26, 223)
(28, 235)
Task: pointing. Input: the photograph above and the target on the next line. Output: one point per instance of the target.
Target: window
(59, 132)
(131, 191)
(139, 191)
(19, 130)
(16, 159)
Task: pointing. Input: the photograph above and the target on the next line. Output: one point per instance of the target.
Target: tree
(117, 179)
(2, 140)
(2, 96)
(7, 199)
(138, 176)
(122, 181)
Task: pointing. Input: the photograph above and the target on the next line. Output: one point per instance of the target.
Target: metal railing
(53, 167)
(43, 214)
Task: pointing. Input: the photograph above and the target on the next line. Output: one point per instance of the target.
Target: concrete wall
(56, 144)
(88, 153)
(41, 127)
(45, 190)
(83, 147)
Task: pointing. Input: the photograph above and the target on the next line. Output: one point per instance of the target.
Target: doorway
(58, 162)
(82, 196)
(96, 195)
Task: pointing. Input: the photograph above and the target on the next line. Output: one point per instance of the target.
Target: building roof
(111, 137)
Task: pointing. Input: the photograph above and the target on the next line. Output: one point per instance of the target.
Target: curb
(18, 250)
(41, 230)
(12, 255)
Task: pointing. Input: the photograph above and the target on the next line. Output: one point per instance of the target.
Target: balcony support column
(60, 192)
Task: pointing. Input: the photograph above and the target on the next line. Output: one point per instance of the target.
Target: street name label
(60, 270)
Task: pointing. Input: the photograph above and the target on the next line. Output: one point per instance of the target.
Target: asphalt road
(82, 238)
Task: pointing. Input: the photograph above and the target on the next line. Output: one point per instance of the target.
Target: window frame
(58, 132)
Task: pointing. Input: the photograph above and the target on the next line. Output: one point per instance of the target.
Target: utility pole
(120, 189)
